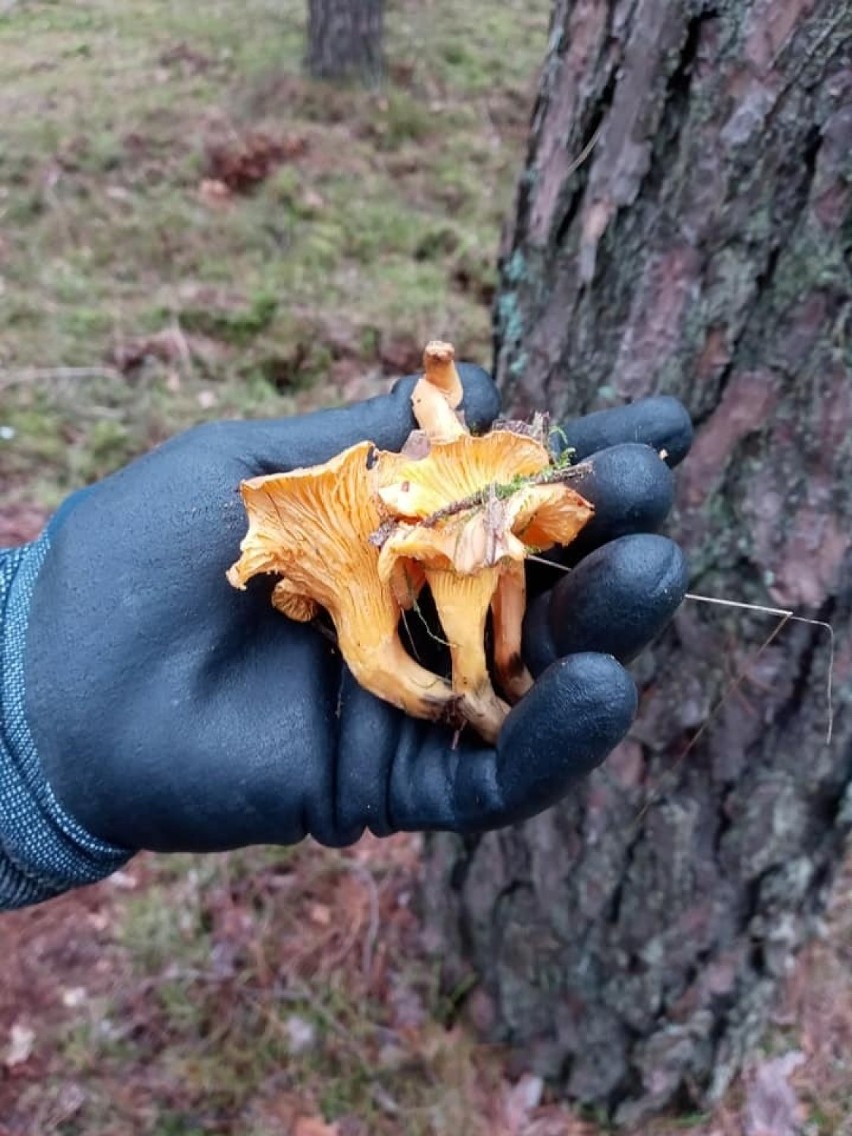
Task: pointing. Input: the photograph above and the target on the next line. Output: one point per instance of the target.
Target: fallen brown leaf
(242, 162)
(21, 1045)
(314, 1126)
(772, 1107)
(171, 346)
(519, 1102)
(215, 193)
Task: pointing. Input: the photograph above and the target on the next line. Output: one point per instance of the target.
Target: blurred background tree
(345, 39)
(683, 225)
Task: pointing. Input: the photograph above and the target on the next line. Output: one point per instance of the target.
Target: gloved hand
(170, 712)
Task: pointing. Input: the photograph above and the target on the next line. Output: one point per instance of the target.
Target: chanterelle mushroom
(458, 512)
(469, 514)
(312, 527)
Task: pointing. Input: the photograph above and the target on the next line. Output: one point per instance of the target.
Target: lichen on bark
(632, 940)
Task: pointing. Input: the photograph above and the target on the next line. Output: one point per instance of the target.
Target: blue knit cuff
(43, 851)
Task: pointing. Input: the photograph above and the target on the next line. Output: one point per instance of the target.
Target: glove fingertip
(617, 600)
(660, 421)
(481, 402)
(632, 491)
(679, 431)
(576, 713)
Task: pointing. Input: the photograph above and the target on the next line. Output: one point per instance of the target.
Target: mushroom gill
(312, 528)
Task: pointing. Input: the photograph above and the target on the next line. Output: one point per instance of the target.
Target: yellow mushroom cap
(544, 515)
(464, 544)
(455, 470)
(536, 517)
(472, 503)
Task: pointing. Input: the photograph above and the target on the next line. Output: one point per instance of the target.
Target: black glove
(172, 713)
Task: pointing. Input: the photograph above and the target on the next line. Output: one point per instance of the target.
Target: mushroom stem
(384, 667)
(439, 369)
(462, 604)
(507, 609)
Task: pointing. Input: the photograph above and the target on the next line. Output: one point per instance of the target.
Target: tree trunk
(345, 39)
(684, 225)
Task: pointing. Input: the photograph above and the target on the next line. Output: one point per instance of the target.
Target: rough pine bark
(684, 225)
(345, 39)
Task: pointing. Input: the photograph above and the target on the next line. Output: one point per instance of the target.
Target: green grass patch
(379, 224)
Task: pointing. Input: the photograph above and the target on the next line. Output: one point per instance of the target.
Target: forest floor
(189, 230)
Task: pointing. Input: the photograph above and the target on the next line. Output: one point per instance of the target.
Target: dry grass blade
(586, 151)
(786, 616)
(28, 375)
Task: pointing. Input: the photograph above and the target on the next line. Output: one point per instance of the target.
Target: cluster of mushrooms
(361, 535)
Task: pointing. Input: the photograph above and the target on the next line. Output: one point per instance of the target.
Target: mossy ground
(136, 300)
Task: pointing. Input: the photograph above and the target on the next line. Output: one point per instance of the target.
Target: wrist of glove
(43, 849)
(170, 713)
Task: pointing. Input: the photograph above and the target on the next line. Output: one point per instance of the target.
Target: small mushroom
(312, 527)
(462, 600)
(438, 393)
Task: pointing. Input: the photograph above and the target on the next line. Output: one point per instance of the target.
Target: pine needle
(586, 151)
(785, 617)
